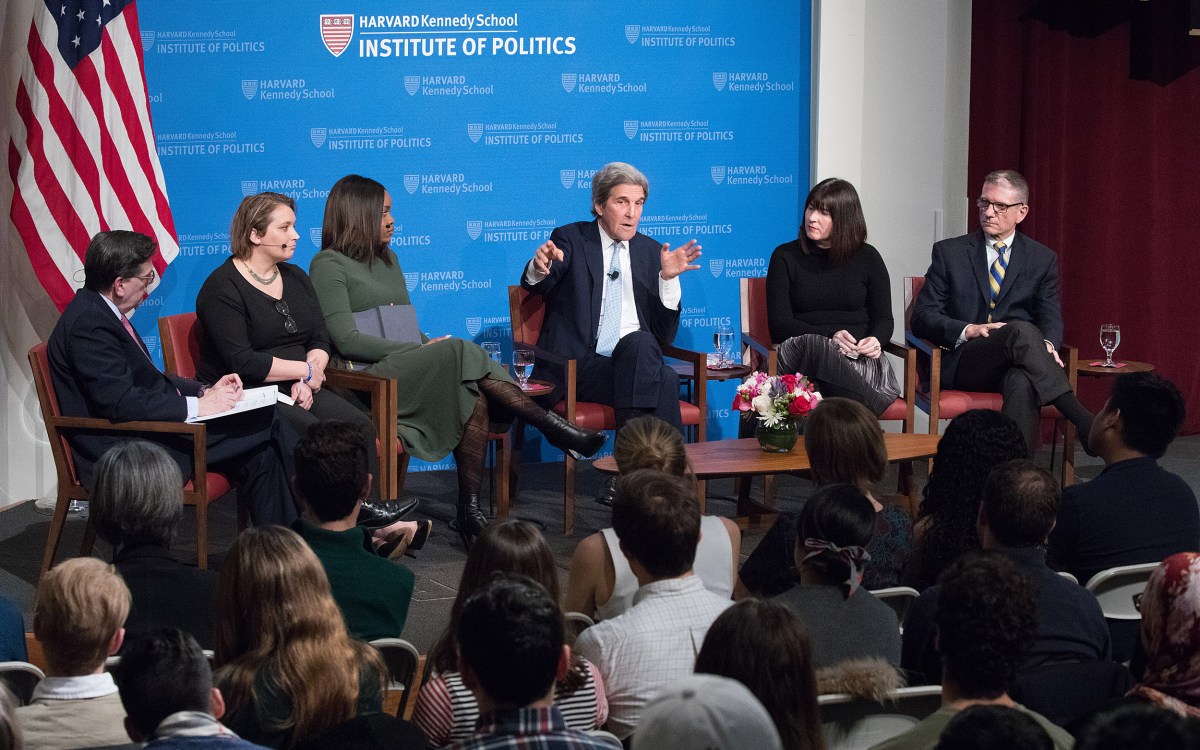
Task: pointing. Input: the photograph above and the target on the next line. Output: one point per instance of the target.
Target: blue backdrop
(486, 122)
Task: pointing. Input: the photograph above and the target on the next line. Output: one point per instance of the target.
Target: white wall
(891, 105)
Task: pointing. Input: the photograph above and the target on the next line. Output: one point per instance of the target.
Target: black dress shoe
(375, 514)
(608, 493)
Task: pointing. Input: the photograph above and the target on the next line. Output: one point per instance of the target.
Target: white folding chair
(1114, 589)
(851, 723)
(577, 622)
(402, 659)
(899, 598)
(21, 677)
(1068, 576)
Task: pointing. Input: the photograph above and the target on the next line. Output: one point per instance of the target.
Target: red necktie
(133, 334)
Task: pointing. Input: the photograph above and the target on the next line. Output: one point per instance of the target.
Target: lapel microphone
(613, 275)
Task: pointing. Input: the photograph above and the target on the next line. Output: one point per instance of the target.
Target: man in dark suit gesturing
(100, 368)
(612, 299)
(991, 300)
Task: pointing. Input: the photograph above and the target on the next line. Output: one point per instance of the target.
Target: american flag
(81, 154)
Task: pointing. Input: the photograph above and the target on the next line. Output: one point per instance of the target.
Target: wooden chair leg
(202, 533)
(56, 529)
(568, 495)
(702, 495)
(401, 473)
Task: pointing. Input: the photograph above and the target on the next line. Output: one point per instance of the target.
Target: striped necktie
(996, 276)
(610, 313)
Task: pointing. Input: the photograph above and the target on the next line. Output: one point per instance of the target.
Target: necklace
(260, 279)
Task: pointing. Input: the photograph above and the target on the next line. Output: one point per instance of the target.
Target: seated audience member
(974, 443)
(844, 620)
(844, 443)
(331, 482)
(166, 687)
(511, 653)
(446, 708)
(986, 618)
(1138, 725)
(656, 640)
(764, 645)
(1171, 637)
(1134, 511)
(12, 632)
(706, 711)
(601, 584)
(11, 737)
(1017, 512)
(983, 727)
(137, 505)
(285, 663)
(80, 607)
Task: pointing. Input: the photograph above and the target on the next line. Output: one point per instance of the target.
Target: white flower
(763, 405)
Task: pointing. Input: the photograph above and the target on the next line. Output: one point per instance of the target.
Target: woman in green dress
(448, 388)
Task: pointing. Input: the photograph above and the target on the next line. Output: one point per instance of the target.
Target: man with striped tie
(991, 301)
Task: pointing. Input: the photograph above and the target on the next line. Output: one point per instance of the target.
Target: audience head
(650, 443)
(115, 256)
(275, 614)
(163, 672)
(1020, 503)
(994, 728)
(987, 615)
(252, 217)
(974, 443)
(1138, 725)
(839, 200)
(331, 469)
(613, 175)
(1144, 413)
(844, 443)
(79, 615)
(138, 495)
(764, 645)
(834, 528)
(511, 641)
(11, 737)
(1171, 635)
(705, 711)
(657, 521)
(353, 212)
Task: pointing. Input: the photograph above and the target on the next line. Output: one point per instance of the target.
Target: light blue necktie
(610, 313)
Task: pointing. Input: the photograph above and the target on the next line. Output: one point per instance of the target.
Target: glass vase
(778, 439)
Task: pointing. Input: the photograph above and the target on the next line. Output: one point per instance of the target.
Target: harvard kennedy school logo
(337, 30)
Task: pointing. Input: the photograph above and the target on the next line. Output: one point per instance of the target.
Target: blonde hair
(650, 443)
(253, 214)
(276, 615)
(81, 603)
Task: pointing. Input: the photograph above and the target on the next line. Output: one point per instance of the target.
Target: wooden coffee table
(1085, 367)
(719, 459)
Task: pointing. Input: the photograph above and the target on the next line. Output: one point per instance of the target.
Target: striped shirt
(446, 710)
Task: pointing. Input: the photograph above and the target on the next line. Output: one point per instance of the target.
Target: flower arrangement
(774, 398)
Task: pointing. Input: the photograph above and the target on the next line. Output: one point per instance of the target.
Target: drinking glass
(723, 341)
(522, 364)
(493, 349)
(1110, 339)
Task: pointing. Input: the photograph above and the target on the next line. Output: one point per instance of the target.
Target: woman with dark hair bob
(446, 711)
(764, 645)
(449, 389)
(844, 620)
(829, 301)
(974, 443)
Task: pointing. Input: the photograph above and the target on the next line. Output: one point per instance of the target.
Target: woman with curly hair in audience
(600, 583)
(764, 645)
(974, 443)
(446, 709)
(845, 445)
(285, 663)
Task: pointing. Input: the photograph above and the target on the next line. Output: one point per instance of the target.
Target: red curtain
(1098, 104)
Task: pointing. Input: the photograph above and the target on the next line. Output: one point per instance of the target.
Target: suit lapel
(1016, 262)
(645, 267)
(979, 264)
(593, 255)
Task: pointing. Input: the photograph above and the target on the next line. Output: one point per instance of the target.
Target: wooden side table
(1085, 367)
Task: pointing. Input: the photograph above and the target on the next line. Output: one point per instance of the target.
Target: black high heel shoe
(578, 441)
(470, 520)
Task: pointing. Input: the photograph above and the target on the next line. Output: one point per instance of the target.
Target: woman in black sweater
(829, 301)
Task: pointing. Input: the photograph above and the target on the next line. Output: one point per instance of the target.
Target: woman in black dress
(829, 301)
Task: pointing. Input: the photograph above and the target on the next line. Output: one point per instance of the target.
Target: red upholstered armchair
(526, 314)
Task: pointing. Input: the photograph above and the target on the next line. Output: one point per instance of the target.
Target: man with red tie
(101, 368)
(991, 301)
